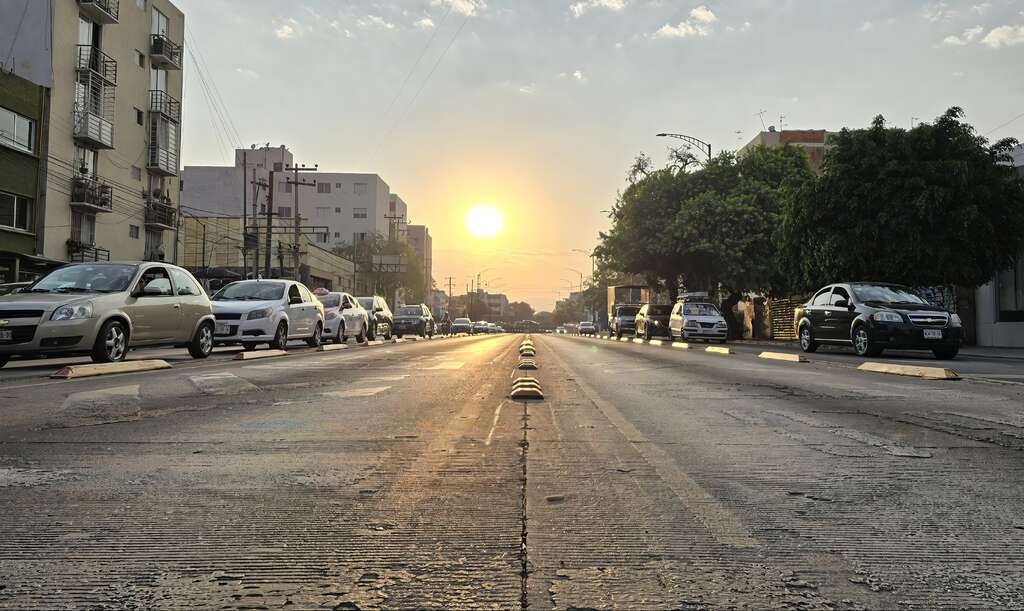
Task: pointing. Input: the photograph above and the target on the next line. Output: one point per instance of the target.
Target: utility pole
(451, 289)
(245, 214)
(270, 224)
(296, 217)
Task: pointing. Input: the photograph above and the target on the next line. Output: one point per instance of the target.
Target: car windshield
(659, 310)
(628, 311)
(886, 294)
(700, 309)
(250, 291)
(331, 300)
(86, 278)
(462, 321)
(409, 311)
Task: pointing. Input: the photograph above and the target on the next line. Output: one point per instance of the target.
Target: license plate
(6, 334)
(933, 334)
(223, 328)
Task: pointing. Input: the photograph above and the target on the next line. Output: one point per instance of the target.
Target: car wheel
(248, 346)
(807, 343)
(111, 344)
(4, 360)
(371, 332)
(202, 344)
(399, 336)
(318, 333)
(341, 338)
(647, 333)
(945, 354)
(362, 335)
(862, 343)
(280, 341)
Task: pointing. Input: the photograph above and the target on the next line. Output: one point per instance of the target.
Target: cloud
(699, 24)
(1004, 36)
(425, 24)
(286, 31)
(981, 8)
(959, 41)
(469, 8)
(374, 21)
(528, 89)
(336, 26)
(247, 73)
(578, 75)
(581, 7)
(866, 26)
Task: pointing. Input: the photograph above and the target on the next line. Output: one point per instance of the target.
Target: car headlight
(73, 311)
(722, 324)
(257, 314)
(886, 317)
(954, 320)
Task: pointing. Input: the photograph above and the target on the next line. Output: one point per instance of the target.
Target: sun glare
(484, 221)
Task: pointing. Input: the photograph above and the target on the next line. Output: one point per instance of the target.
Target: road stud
(637, 340)
(682, 345)
(783, 356)
(927, 373)
(719, 350)
(262, 354)
(100, 369)
(655, 342)
(330, 347)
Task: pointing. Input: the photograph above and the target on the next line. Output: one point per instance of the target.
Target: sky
(537, 107)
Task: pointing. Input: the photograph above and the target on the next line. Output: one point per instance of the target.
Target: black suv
(382, 323)
(414, 320)
(872, 317)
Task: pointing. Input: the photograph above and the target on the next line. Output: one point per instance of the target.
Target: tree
(413, 280)
(520, 310)
(932, 206)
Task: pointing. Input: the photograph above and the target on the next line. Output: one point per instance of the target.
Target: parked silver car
(251, 312)
(105, 309)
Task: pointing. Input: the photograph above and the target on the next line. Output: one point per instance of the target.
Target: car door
(840, 316)
(313, 311)
(675, 321)
(154, 308)
(816, 312)
(297, 317)
(194, 304)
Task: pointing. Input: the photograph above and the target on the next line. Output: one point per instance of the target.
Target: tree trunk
(735, 326)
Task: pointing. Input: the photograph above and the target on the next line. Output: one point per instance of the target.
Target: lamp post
(593, 281)
(691, 141)
(581, 276)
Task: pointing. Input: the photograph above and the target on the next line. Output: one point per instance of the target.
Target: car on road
(382, 321)
(480, 326)
(414, 320)
(697, 320)
(343, 317)
(462, 325)
(106, 309)
(588, 328)
(623, 320)
(273, 312)
(872, 317)
(652, 321)
(561, 330)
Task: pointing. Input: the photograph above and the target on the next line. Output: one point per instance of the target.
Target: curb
(682, 346)
(719, 350)
(783, 356)
(264, 354)
(101, 369)
(329, 347)
(927, 373)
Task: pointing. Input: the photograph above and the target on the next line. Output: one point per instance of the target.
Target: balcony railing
(91, 59)
(163, 103)
(94, 129)
(100, 11)
(80, 252)
(160, 216)
(164, 161)
(165, 53)
(91, 194)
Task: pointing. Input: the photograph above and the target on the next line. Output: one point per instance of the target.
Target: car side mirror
(841, 303)
(152, 291)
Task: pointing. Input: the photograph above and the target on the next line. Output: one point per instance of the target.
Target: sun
(484, 221)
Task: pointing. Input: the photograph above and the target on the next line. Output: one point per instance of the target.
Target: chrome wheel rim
(317, 333)
(805, 338)
(860, 341)
(279, 338)
(205, 339)
(115, 343)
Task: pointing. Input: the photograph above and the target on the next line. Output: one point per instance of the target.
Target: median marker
(682, 345)
(637, 340)
(101, 369)
(625, 339)
(375, 342)
(719, 350)
(262, 354)
(655, 342)
(330, 347)
(783, 356)
(928, 373)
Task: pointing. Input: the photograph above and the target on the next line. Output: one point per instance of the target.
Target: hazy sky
(538, 106)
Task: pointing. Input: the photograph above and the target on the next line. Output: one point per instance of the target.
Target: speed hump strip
(262, 354)
(927, 373)
(101, 369)
(783, 356)
(719, 350)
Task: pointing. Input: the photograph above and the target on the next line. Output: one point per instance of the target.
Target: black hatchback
(874, 317)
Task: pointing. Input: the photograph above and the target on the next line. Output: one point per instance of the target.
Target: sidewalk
(979, 352)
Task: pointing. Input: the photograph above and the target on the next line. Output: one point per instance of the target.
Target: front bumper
(409, 326)
(705, 333)
(50, 337)
(255, 331)
(911, 337)
(461, 329)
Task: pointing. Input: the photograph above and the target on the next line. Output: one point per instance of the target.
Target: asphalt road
(401, 476)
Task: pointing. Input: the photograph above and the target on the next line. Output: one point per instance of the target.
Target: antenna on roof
(760, 115)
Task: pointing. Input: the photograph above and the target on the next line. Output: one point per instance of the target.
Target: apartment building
(419, 239)
(224, 190)
(351, 207)
(813, 142)
(398, 218)
(113, 69)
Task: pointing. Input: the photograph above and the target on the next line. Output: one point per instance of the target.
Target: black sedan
(414, 320)
(652, 321)
(874, 317)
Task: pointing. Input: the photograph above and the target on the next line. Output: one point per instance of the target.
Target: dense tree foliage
(413, 280)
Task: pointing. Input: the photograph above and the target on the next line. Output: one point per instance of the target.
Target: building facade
(350, 207)
(419, 239)
(813, 142)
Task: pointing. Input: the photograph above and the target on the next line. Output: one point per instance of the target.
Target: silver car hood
(45, 301)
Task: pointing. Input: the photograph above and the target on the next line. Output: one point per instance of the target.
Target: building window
(359, 188)
(1010, 287)
(83, 228)
(139, 117)
(358, 237)
(277, 166)
(337, 234)
(285, 211)
(17, 131)
(359, 213)
(322, 211)
(337, 211)
(284, 187)
(323, 187)
(337, 185)
(133, 232)
(154, 245)
(137, 173)
(15, 211)
(140, 58)
(159, 23)
(141, 4)
(321, 238)
(85, 161)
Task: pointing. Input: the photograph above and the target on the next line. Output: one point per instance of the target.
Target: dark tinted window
(886, 294)
(251, 291)
(822, 298)
(367, 303)
(331, 301)
(410, 311)
(629, 311)
(659, 310)
(839, 293)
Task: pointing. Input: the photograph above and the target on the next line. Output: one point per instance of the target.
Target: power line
(416, 64)
(1004, 124)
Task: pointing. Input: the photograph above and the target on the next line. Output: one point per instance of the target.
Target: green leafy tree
(520, 310)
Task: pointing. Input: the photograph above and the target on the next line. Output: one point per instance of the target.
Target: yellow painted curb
(262, 354)
(329, 347)
(526, 393)
(637, 340)
(783, 356)
(376, 342)
(625, 339)
(719, 350)
(101, 369)
(928, 373)
(682, 345)
(655, 342)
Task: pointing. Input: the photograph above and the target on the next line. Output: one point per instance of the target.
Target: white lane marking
(356, 392)
(395, 378)
(494, 425)
(221, 383)
(447, 365)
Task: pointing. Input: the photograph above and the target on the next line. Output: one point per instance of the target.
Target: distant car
(501, 329)
(492, 328)
(652, 321)
(588, 328)
(462, 325)
(253, 312)
(382, 322)
(480, 326)
(104, 310)
(623, 320)
(11, 287)
(873, 317)
(697, 320)
(344, 317)
(561, 330)
(414, 320)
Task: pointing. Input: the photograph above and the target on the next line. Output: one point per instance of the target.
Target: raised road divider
(101, 369)
(262, 354)
(719, 350)
(526, 389)
(928, 373)
(682, 345)
(330, 347)
(783, 356)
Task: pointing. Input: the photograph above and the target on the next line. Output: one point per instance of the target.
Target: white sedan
(272, 312)
(343, 317)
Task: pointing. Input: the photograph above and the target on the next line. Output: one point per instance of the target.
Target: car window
(307, 297)
(156, 278)
(253, 290)
(630, 311)
(100, 277)
(659, 310)
(410, 311)
(367, 303)
(822, 298)
(184, 283)
(294, 294)
(839, 293)
(886, 294)
(700, 309)
(331, 300)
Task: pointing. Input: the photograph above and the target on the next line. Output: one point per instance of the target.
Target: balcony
(94, 130)
(161, 102)
(91, 59)
(161, 160)
(80, 252)
(163, 53)
(91, 194)
(100, 11)
(160, 216)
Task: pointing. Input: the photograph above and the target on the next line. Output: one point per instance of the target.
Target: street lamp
(581, 276)
(691, 141)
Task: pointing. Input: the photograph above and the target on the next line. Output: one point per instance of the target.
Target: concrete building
(421, 242)
(398, 218)
(114, 74)
(999, 305)
(223, 190)
(813, 142)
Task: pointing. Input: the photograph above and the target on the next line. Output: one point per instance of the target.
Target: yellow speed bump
(719, 350)
(530, 393)
(655, 342)
(528, 352)
(681, 345)
(928, 373)
(101, 369)
(527, 365)
(262, 354)
(637, 340)
(329, 347)
(783, 356)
